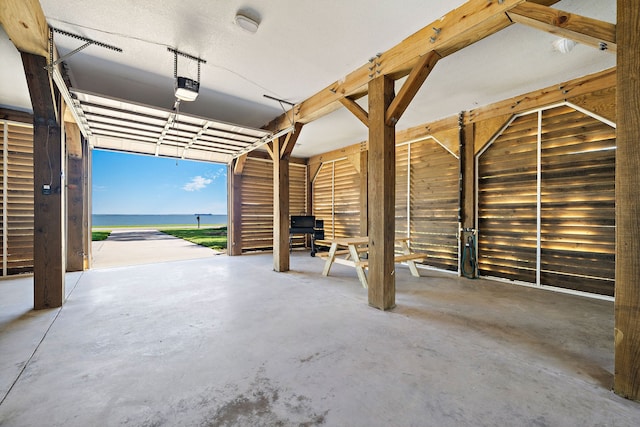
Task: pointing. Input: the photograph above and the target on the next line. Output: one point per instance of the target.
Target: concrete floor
(225, 341)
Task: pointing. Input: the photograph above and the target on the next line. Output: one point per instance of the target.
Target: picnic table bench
(358, 245)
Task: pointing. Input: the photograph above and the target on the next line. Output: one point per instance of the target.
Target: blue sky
(136, 184)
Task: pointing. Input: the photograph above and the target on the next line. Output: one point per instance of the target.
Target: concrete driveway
(144, 246)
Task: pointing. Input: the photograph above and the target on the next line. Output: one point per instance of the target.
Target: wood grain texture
(382, 284)
(280, 208)
(627, 304)
(76, 228)
(25, 24)
(49, 241)
(469, 23)
(355, 108)
(547, 96)
(584, 30)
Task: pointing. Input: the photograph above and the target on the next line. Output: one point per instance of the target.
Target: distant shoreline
(157, 220)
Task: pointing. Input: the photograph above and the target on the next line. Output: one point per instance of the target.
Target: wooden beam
(238, 165)
(338, 153)
(15, 116)
(464, 26)
(356, 109)
(290, 141)
(48, 238)
(280, 209)
(552, 94)
(269, 146)
(627, 291)
(588, 31)
(76, 228)
(411, 86)
(382, 191)
(25, 24)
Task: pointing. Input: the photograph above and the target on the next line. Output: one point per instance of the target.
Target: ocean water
(101, 220)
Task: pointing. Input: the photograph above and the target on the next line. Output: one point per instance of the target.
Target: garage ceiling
(301, 47)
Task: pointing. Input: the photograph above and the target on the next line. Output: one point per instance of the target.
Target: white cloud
(197, 183)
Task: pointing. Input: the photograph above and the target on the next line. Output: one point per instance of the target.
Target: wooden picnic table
(360, 245)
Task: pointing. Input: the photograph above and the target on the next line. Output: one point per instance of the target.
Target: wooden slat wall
(578, 202)
(577, 218)
(507, 218)
(298, 195)
(323, 198)
(336, 198)
(257, 205)
(19, 192)
(346, 199)
(257, 201)
(434, 203)
(3, 134)
(402, 187)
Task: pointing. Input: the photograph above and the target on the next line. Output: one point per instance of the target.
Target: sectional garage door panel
(507, 198)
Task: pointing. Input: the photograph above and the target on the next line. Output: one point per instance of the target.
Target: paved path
(144, 246)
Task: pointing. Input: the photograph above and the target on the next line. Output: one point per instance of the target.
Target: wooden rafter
(356, 109)
(411, 86)
(588, 31)
(471, 22)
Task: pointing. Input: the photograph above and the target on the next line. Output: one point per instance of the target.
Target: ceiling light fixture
(186, 89)
(246, 23)
(563, 45)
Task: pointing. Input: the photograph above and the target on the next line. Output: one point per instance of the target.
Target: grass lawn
(214, 238)
(96, 236)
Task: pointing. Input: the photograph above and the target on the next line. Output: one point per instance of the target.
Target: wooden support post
(234, 201)
(48, 238)
(627, 290)
(382, 189)
(280, 208)
(76, 227)
(86, 208)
